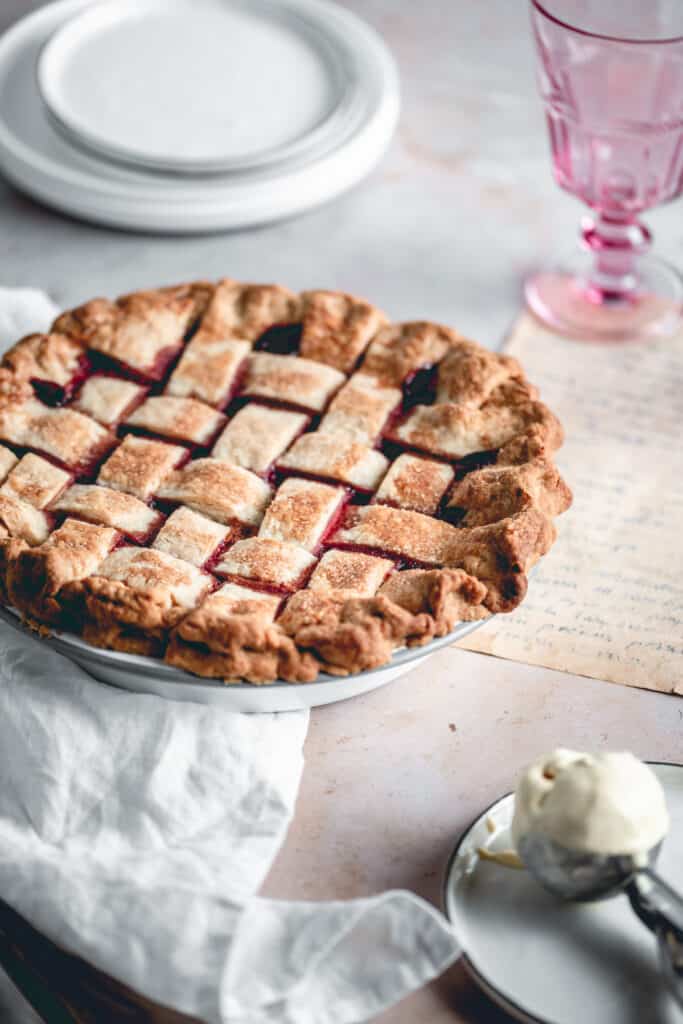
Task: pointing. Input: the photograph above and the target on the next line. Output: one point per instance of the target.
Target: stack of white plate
(192, 115)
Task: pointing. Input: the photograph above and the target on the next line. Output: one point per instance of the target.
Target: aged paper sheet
(607, 601)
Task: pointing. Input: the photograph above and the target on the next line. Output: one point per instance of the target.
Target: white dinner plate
(198, 86)
(150, 675)
(549, 962)
(39, 159)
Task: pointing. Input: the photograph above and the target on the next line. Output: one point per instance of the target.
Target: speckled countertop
(460, 209)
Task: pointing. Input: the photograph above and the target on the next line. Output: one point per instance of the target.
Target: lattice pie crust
(257, 485)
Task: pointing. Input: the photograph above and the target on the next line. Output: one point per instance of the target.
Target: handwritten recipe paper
(607, 601)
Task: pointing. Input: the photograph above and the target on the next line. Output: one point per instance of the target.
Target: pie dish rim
(65, 643)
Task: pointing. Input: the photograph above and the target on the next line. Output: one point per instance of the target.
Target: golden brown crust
(468, 373)
(415, 483)
(337, 328)
(114, 611)
(301, 511)
(349, 574)
(139, 464)
(500, 555)
(448, 595)
(63, 434)
(540, 441)
(336, 458)
(360, 409)
(291, 379)
(400, 532)
(104, 506)
(353, 635)
(457, 519)
(230, 646)
(496, 492)
(134, 614)
(99, 318)
(138, 328)
(177, 419)
(109, 399)
(36, 481)
(245, 311)
(83, 322)
(398, 350)
(13, 389)
(53, 357)
(256, 435)
(19, 519)
(8, 461)
(267, 562)
(208, 369)
(189, 535)
(36, 576)
(219, 490)
(452, 430)
(10, 548)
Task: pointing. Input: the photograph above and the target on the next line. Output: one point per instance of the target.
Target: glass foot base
(563, 300)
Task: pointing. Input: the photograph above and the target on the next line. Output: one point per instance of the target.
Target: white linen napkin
(136, 831)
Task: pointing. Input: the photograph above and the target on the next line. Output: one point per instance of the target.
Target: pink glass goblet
(611, 78)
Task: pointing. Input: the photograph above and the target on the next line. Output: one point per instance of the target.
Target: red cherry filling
(51, 393)
(477, 460)
(280, 339)
(419, 388)
(155, 373)
(237, 533)
(453, 515)
(365, 549)
(392, 449)
(164, 507)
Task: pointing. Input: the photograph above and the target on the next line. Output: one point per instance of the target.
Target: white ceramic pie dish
(141, 674)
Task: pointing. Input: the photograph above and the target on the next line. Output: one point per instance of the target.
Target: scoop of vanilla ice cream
(597, 803)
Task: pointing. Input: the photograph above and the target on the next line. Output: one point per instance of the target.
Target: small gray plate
(548, 962)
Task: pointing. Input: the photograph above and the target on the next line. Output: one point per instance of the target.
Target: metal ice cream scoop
(577, 875)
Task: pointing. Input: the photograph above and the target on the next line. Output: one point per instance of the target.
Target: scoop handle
(661, 908)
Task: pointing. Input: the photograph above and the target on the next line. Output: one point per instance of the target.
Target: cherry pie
(253, 484)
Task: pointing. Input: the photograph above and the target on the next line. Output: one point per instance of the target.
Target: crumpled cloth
(136, 832)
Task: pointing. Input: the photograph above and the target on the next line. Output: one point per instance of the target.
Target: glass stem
(616, 244)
